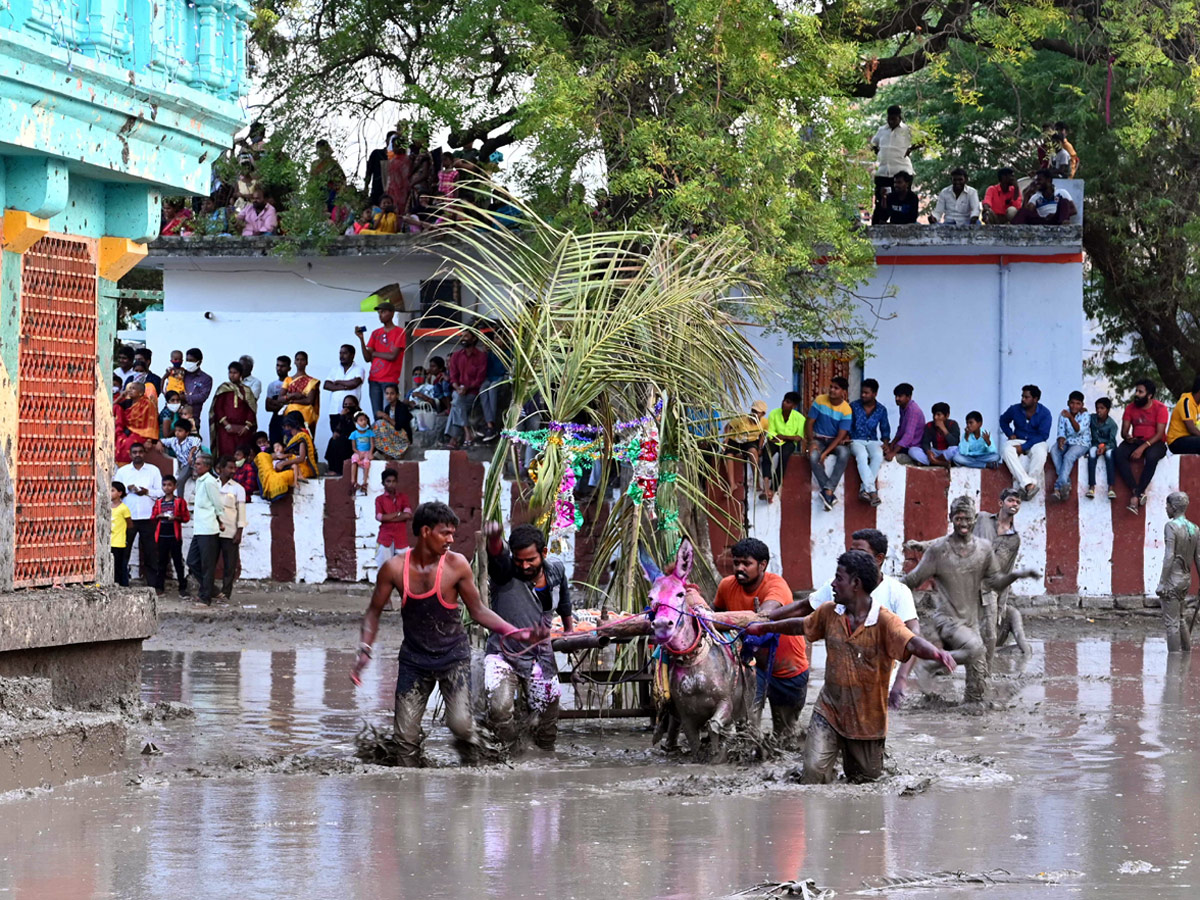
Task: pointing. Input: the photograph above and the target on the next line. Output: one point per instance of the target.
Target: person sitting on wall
(870, 432)
(902, 203)
(386, 221)
(828, 432)
(1143, 433)
(911, 427)
(296, 462)
(259, 217)
(1183, 432)
(939, 440)
(1102, 446)
(1026, 425)
(976, 449)
(1002, 201)
(785, 434)
(1044, 204)
(957, 204)
(1073, 443)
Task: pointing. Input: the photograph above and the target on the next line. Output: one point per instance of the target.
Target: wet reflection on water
(1099, 747)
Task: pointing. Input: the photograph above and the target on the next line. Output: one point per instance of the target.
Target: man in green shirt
(785, 433)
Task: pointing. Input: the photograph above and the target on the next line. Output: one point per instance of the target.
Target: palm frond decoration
(598, 327)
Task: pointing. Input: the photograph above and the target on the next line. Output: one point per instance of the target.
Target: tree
(1143, 197)
(698, 116)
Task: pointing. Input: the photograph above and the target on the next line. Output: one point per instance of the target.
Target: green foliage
(713, 117)
(1142, 198)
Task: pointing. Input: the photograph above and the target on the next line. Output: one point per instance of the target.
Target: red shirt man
(1144, 433)
(385, 352)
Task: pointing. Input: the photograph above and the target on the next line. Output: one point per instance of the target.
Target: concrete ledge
(46, 618)
(1017, 237)
(59, 748)
(236, 246)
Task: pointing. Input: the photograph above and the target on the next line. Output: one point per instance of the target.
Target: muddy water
(1091, 768)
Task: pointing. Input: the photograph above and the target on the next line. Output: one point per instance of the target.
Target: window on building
(814, 364)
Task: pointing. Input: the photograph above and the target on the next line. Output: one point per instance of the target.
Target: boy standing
(392, 510)
(1103, 432)
(184, 447)
(170, 512)
(1074, 440)
(119, 540)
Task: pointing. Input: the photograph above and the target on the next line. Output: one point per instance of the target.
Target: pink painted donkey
(710, 688)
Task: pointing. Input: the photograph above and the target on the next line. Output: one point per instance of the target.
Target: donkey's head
(668, 591)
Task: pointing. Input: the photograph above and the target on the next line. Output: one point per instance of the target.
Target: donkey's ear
(684, 560)
(649, 567)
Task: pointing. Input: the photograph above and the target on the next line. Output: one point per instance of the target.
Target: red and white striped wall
(1085, 547)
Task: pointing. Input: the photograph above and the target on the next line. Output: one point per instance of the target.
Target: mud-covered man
(862, 640)
(527, 587)
(432, 580)
(962, 567)
(1181, 551)
(1001, 620)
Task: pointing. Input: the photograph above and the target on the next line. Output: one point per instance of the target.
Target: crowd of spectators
(1039, 203)
(408, 187)
(834, 431)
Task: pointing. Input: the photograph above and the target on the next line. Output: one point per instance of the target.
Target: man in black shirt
(902, 202)
(526, 588)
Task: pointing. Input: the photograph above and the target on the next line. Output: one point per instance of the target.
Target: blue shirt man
(1026, 425)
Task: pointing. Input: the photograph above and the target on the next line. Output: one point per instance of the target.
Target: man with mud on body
(862, 641)
(431, 580)
(999, 618)
(962, 567)
(1181, 552)
(527, 586)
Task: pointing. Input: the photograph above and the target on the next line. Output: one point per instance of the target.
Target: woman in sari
(399, 178)
(277, 473)
(391, 441)
(176, 219)
(141, 413)
(233, 415)
(303, 393)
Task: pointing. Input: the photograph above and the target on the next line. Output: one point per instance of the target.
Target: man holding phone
(385, 352)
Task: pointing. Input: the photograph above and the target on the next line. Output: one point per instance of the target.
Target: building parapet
(976, 238)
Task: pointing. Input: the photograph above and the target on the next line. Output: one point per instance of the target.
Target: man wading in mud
(431, 580)
(999, 618)
(962, 567)
(862, 640)
(527, 587)
(1181, 552)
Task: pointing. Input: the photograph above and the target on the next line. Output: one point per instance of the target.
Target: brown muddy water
(1088, 765)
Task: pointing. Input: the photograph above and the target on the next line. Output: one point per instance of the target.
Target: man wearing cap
(743, 437)
(385, 352)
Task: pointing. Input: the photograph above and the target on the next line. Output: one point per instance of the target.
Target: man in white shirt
(891, 593)
(344, 380)
(232, 516)
(957, 204)
(893, 143)
(143, 484)
(206, 526)
(249, 380)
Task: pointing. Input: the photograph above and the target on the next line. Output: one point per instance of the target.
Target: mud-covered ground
(1083, 762)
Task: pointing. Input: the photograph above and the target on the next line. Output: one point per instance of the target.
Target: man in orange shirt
(782, 667)
(862, 639)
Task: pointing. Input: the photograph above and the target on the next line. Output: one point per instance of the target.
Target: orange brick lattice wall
(56, 472)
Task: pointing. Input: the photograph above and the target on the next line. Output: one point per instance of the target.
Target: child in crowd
(183, 446)
(386, 222)
(364, 222)
(278, 452)
(392, 510)
(119, 540)
(170, 414)
(170, 512)
(262, 442)
(976, 450)
(1074, 439)
(1104, 442)
(246, 474)
(173, 379)
(363, 439)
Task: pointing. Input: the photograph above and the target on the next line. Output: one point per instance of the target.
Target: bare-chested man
(962, 567)
(1181, 552)
(1001, 620)
(431, 580)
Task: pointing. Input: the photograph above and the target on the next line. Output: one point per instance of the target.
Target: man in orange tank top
(432, 580)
